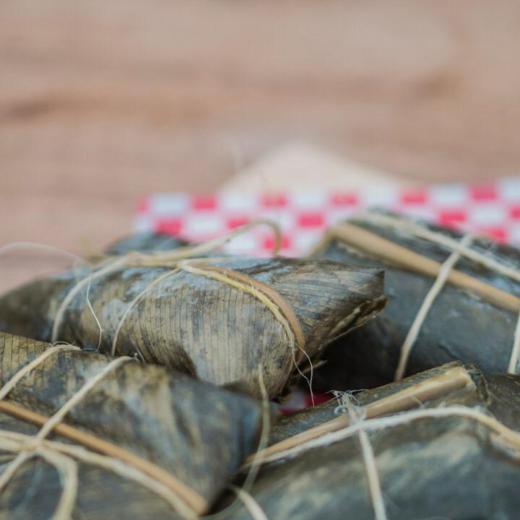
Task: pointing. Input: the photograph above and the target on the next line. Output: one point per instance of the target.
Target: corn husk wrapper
(194, 431)
(200, 325)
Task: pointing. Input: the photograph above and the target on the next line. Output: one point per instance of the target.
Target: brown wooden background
(102, 102)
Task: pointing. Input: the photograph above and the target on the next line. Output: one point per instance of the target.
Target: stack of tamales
(150, 381)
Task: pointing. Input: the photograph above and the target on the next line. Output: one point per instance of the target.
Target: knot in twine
(358, 415)
(32, 445)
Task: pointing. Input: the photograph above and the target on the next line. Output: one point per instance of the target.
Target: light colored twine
(252, 287)
(243, 493)
(264, 435)
(130, 307)
(106, 268)
(252, 506)
(180, 260)
(426, 305)
(463, 250)
(11, 383)
(273, 302)
(357, 415)
(360, 426)
(62, 456)
(509, 436)
(443, 240)
(157, 259)
(515, 353)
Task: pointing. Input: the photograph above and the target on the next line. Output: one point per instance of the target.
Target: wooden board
(105, 101)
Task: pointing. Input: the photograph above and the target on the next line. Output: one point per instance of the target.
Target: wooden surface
(105, 101)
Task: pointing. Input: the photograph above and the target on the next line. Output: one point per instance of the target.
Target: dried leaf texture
(460, 325)
(437, 467)
(196, 432)
(204, 326)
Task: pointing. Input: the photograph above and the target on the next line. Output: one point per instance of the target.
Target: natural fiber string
(280, 310)
(106, 268)
(207, 247)
(515, 353)
(292, 328)
(66, 467)
(454, 378)
(9, 385)
(252, 506)
(139, 259)
(438, 238)
(35, 245)
(80, 395)
(243, 493)
(511, 437)
(44, 247)
(32, 446)
(466, 251)
(264, 435)
(253, 287)
(19, 441)
(131, 305)
(357, 415)
(426, 305)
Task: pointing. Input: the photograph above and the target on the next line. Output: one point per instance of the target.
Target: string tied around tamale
(440, 239)
(272, 300)
(59, 454)
(509, 437)
(464, 250)
(135, 259)
(425, 307)
(25, 454)
(357, 414)
(176, 259)
(52, 249)
(374, 244)
(243, 493)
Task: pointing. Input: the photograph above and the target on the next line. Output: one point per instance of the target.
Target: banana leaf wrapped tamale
(218, 319)
(446, 301)
(135, 424)
(441, 444)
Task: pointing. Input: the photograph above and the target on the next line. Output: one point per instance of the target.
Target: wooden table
(102, 102)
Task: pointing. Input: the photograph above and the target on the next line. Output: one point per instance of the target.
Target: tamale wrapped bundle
(218, 319)
(441, 444)
(119, 437)
(450, 297)
(146, 242)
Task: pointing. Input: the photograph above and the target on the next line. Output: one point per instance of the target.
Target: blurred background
(105, 102)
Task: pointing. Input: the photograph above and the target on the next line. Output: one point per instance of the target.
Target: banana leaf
(460, 325)
(206, 327)
(449, 466)
(191, 432)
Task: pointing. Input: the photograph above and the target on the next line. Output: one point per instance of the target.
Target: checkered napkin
(492, 210)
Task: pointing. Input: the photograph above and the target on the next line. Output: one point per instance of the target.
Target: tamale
(145, 242)
(185, 434)
(218, 319)
(473, 318)
(432, 458)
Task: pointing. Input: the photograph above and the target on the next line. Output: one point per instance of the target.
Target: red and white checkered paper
(488, 209)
